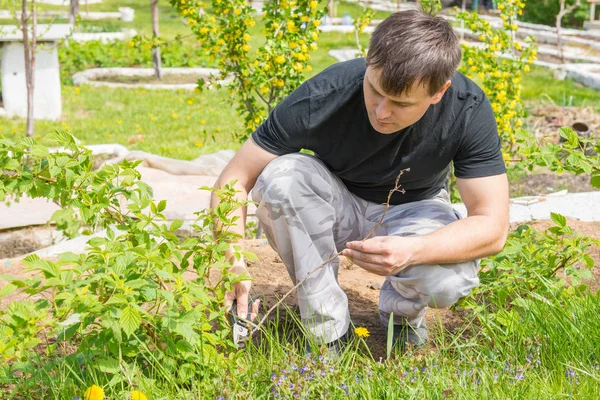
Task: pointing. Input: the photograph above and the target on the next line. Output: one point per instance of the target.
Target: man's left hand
(382, 255)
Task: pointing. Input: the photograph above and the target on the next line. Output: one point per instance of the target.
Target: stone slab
(583, 206)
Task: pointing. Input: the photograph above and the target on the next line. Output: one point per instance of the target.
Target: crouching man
(403, 107)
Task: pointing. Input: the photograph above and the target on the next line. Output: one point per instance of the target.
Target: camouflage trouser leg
(412, 290)
(308, 215)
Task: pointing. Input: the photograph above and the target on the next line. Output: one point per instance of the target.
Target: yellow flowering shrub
(263, 76)
(499, 66)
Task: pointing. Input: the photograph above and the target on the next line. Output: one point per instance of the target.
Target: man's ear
(438, 96)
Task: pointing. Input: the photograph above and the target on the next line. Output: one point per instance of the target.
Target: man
(405, 106)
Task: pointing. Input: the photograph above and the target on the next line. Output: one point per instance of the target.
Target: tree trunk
(155, 34)
(563, 11)
(29, 48)
(73, 11)
(330, 10)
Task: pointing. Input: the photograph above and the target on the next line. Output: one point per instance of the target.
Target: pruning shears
(240, 326)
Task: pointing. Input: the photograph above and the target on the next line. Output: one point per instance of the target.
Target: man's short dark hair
(414, 47)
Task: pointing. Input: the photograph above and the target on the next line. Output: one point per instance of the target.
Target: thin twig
(387, 206)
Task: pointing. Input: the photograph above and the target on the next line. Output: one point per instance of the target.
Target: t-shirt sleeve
(285, 130)
(480, 154)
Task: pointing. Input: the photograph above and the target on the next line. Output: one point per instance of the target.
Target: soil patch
(545, 183)
(167, 79)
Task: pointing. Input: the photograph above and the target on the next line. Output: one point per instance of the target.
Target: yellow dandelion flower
(175, 116)
(203, 121)
(137, 395)
(362, 332)
(218, 129)
(199, 144)
(190, 101)
(280, 59)
(94, 392)
(237, 11)
(314, 4)
(120, 122)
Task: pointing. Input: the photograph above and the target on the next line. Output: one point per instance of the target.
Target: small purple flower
(344, 386)
(424, 369)
(570, 374)
(323, 373)
(495, 377)
(220, 398)
(296, 395)
(415, 370)
(292, 386)
(331, 369)
(273, 376)
(74, 398)
(303, 370)
(357, 378)
(519, 376)
(294, 367)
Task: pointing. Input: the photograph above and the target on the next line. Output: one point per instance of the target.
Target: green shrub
(124, 308)
(78, 56)
(545, 12)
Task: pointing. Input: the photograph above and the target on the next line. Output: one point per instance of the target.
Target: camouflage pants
(308, 215)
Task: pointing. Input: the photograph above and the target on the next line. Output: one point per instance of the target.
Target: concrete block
(47, 91)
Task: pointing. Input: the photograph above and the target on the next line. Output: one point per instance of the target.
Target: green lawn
(549, 349)
(181, 124)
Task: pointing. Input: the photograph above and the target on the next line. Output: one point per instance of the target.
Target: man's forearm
(466, 239)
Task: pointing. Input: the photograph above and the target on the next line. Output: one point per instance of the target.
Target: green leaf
(390, 335)
(71, 320)
(558, 219)
(595, 181)
(130, 320)
(7, 289)
(162, 205)
(176, 224)
(108, 365)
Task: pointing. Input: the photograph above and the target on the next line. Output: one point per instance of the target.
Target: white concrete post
(47, 94)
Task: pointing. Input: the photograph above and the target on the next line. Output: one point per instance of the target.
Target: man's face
(389, 114)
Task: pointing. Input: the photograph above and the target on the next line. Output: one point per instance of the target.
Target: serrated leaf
(558, 219)
(71, 320)
(162, 205)
(7, 289)
(130, 320)
(108, 365)
(176, 224)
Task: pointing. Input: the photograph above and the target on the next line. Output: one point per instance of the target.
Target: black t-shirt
(327, 115)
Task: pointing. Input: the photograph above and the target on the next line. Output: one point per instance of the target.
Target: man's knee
(286, 176)
(457, 282)
(437, 286)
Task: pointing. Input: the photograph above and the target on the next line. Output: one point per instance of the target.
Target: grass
(539, 86)
(550, 351)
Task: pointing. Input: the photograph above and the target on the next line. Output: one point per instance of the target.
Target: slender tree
(73, 11)
(29, 47)
(155, 34)
(564, 10)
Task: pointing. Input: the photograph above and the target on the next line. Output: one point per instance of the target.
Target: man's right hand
(241, 293)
